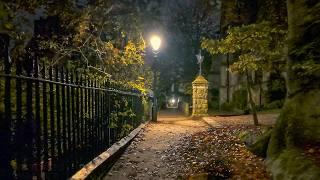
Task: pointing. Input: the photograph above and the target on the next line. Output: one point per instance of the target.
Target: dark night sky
(181, 23)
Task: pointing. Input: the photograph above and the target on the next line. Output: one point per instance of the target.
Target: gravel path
(177, 147)
(144, 158)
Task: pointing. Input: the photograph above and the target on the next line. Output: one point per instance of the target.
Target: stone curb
(108, 154)
(205, 120)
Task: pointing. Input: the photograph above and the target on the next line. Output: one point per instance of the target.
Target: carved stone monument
(199, 97)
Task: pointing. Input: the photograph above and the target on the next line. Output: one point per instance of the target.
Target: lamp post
(200, 60)
(155, 42)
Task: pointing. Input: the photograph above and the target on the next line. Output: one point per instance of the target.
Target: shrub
(227, 107)
(274, 105)
(239, 99)
(214, 100)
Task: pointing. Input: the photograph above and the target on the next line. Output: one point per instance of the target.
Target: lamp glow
(155, 42)
(173, 101)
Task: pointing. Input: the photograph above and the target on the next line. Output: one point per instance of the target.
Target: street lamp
(155, 42)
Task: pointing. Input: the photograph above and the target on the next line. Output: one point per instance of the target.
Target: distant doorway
(172, 102)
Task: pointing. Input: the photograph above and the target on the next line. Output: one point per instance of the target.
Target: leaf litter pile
(216, 153)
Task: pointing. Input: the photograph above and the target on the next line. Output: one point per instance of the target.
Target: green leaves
(3, 11)
(5, 24)
(8, 25)
(257, 45)
(246, 62)
(105, 35)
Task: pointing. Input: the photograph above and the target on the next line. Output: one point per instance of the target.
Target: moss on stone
(291, 164)
(297, 124)
(260, 146)
(299, 121)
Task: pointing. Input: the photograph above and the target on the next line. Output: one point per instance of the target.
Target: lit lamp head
(173, 100)
(155, 43)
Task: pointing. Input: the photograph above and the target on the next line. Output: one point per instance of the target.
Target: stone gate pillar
(199, 97)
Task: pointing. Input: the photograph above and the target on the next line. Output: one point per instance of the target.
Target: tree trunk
(298, 125)
(252, 104)
(260, 81)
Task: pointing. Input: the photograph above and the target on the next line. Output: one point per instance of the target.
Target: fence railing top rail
(108, 89)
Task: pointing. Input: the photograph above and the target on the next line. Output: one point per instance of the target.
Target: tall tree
(102, 37)
(256, 48)
(298, 126)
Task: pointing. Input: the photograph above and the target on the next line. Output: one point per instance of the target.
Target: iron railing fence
(53, 121)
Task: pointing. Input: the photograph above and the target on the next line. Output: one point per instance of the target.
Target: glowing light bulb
(173, 101)
(155, 42)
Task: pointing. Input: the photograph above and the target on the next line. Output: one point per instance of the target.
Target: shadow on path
(178, 147)
(144, 158)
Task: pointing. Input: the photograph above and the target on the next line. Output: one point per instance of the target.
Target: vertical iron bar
(58, 120)
(29, 127)
(92, 120)
(81, 114)
(86, 127)
(109, 115)
(45, 123)
(98, 117)
(37, 120)
(89, 120)
(77, 117)
(106, 102)
(19, 130)
(101, 117)
(64, 114)
(68, 113)
(52, 120)
(111, 109)
(77, 121)
(73, 121)
(104, 116)
(116, 109)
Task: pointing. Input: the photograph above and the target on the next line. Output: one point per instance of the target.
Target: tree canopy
(103, 37)
(258, 46)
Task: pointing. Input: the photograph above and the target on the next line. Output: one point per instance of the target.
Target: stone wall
(237, 82)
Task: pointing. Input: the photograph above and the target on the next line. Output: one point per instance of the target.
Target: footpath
(177, 147)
